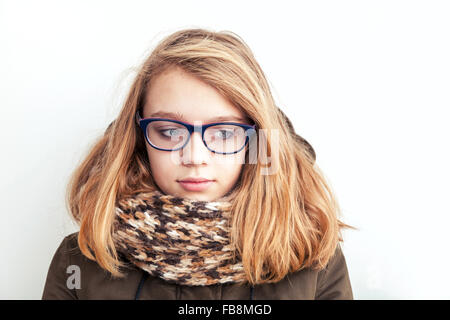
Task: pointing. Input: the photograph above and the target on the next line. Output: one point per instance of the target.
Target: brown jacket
(72, 276)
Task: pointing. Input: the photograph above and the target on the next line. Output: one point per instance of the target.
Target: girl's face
(178, 95)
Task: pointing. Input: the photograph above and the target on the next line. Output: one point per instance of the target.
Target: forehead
(179, 95)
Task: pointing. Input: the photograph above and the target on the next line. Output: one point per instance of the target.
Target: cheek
(229, 167)
(160, 163)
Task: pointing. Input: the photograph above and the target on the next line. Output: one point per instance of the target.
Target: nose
(195, 151)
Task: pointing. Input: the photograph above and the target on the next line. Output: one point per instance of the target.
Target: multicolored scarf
(180, 240)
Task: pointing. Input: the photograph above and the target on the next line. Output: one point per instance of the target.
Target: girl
(200, 189)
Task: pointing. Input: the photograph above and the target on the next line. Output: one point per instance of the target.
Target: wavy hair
(289, 220)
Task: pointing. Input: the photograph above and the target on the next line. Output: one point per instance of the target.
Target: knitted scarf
(180, 240)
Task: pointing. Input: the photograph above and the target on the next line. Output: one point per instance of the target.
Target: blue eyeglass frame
(143, 123)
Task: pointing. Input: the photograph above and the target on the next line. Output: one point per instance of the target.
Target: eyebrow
(180, 117)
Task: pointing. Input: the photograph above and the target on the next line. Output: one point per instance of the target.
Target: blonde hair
(289, 220)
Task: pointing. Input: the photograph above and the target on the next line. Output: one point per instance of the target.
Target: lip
(194, 179)
(195, 184)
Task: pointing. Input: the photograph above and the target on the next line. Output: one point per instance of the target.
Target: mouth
(195, 184)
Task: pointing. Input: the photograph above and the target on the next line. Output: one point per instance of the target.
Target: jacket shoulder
(56, 285)
(333, 282)
(71, 242)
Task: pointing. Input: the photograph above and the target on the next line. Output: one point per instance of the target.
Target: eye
(172, 132)
(224, 134)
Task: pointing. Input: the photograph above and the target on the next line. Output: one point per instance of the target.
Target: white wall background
(367, 83)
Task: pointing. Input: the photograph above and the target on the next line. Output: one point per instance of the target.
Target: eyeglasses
(219, 137)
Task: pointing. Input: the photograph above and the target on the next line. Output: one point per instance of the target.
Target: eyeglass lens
(226, 138)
